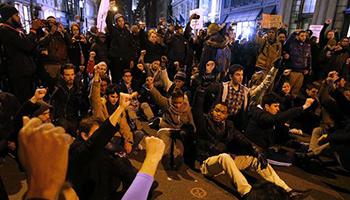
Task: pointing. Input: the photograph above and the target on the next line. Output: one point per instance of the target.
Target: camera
(47, 23)
(78, 37)
(195, 16)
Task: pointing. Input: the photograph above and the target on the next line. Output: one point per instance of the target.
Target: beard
(16, 24)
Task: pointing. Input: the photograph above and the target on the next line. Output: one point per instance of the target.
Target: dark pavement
(188, 184)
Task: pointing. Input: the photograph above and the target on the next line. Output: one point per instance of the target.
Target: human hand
(296, 131)
(60, 28)
(143, 52)
(134, 94)
(140, 67)
(43, 152)
(149, 82)
(38, 95)
(37, 24)
(308, 103)
(328, 21)
(262, 161)
(92, 55)
(333, 75)
(124, 100)
(323, 139)
(97, 72)
(306, 72)
(154, 149)
(83, 39)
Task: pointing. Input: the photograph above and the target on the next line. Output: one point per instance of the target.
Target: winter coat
(270, 52)
(261, 128)
(101, 51)
(121, 46)
(57, 45)
(68, 105)
(300, 55)
(172, 117)
(19, 51)
(215, 138)
(216, 49)
(99, 110)
(91, 169)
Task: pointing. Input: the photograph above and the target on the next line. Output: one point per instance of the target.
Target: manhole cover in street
(198, 192)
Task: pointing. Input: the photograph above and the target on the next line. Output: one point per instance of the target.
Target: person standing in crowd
(216, 48)
(78, 47)
(54, 47)
(298, 55)
(121, 51)
(100, 48)
(270, 50)
(19, 50)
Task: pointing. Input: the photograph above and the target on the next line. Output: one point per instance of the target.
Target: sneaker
(298, 195)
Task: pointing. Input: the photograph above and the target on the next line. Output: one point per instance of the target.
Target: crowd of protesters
(209, 97)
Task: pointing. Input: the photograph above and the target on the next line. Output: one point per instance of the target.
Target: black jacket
(19, 51)
(262, 125)
(68, 105)
(121, 45)
(214, 138)
(88, 166)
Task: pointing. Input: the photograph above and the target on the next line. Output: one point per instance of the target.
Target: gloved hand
(262, 161)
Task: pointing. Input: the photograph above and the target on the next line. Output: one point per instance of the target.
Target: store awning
(250, 15)
(269, 10)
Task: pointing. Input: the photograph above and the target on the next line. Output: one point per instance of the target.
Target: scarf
(174, 114)
(111, 108)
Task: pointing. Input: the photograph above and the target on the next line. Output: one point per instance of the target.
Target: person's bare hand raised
(43, 152)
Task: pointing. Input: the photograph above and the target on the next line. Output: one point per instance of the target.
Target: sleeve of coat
(125, 130)
(267, 118)
(95, 100)
(110, 21)
(160, 100)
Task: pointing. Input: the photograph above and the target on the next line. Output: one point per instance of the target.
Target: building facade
(244, 15)
(300, 14)
(181, 9)
(65, 11)
(296, 14)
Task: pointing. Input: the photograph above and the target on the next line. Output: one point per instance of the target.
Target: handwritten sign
(270, 21)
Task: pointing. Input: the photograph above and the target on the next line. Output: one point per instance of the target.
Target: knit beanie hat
(118, 15)
(42, 107)
(180, 76)
(6, 11)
